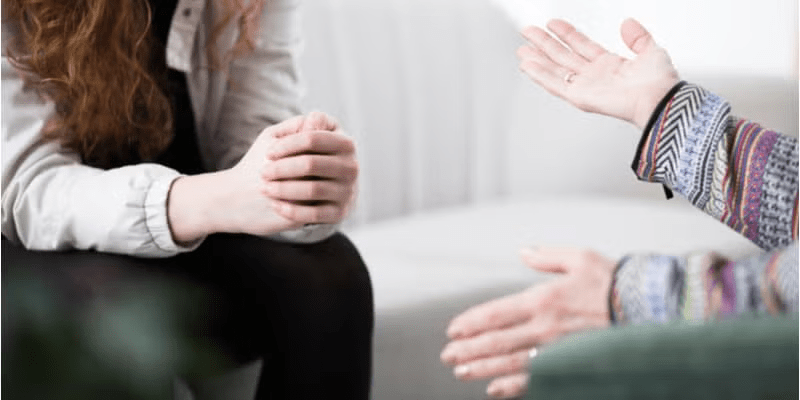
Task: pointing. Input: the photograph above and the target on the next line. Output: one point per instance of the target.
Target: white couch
(464, 161)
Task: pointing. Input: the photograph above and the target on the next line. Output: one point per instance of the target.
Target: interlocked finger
(308, 190)
(286, 128)
(325, 213)
(311, 142)
(343, 169)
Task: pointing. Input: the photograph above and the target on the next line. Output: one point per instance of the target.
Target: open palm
(595, 80)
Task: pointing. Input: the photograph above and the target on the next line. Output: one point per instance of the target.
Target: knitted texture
(743, 175)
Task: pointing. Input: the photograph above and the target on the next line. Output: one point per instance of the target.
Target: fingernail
(460, 371)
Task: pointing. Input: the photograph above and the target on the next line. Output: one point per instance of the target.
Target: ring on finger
(569, 77)
(533, 352)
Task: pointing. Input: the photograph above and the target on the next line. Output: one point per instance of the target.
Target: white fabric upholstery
(427, 268)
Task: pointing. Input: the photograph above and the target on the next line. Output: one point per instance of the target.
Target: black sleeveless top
(182, 153)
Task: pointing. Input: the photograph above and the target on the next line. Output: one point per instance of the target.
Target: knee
(337, 273)
(327, 280)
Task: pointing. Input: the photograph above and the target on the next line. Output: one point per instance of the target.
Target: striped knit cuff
(647, 132)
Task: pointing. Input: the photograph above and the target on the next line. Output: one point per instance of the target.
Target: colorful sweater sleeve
(739, 173)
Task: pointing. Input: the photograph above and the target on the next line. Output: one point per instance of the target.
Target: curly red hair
(92, 59)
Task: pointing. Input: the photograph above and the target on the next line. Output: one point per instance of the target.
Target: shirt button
(187, 12)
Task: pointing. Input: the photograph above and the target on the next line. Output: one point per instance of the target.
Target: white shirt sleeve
(50, 201)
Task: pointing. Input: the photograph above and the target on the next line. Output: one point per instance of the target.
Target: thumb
(542, 260)
(635, 36)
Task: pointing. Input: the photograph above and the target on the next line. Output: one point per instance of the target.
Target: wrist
(648, 103)
(190, 208)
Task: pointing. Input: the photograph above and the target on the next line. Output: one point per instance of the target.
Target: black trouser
(307, 310)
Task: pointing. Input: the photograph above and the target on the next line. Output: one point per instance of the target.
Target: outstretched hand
(497, 339)
(593, 79)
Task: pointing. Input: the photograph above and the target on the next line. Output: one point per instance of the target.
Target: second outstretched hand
(301, 171)
(496, 340)
(582, 72)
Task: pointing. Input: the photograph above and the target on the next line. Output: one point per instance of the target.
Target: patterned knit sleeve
(741, 174)
(734, 170)
(704, 286)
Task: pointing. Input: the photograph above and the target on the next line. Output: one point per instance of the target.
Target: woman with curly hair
(147, 140)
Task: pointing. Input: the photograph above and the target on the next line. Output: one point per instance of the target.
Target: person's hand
(312, 174)
(497, 339)
(301, 171)
(595, 80)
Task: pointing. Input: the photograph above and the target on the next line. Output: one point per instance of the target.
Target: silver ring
(533, 352)
(569, 77)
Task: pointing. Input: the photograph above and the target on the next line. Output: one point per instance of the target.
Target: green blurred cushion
(747, 358)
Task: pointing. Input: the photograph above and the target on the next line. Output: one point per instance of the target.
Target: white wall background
(431, 91)
(741, 36)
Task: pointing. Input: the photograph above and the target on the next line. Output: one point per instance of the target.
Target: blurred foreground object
(131, 346)
(749, 358)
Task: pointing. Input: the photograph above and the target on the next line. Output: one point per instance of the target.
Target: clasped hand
(306, 174)
(301, 171)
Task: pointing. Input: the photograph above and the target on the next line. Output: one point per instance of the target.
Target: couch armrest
(748, 358)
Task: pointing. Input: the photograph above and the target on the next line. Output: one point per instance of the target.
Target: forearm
(702, 286)
(190, 207)
(732, 169)
(58, 204)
